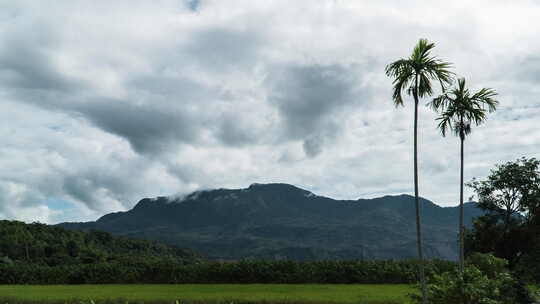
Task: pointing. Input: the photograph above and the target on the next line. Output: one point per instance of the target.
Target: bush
(5, 260)
(528, 266)
(488, 264)
(485, 280)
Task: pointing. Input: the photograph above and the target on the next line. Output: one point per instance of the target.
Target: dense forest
(41, 254)
(44, 245)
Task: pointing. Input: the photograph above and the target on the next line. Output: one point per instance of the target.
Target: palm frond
(459, 109)
(486, 97)
(439, 102)
(445, 123)
(402, 72)
(415, 74)
(440, 71)
(424, 86)
(421, 50)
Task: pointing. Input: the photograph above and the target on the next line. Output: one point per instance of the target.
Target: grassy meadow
(208, 293)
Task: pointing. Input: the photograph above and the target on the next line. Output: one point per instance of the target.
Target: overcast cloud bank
(104, 103)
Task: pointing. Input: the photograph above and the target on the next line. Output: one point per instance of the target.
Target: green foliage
(459, 108)
(283, 272)
(488, 264)
(5, 260)
(535, 290)
(43, 245)
(528, 266)
(415, 74)
(477, 288)
(511, 228)
(511, 191)
(485, 280)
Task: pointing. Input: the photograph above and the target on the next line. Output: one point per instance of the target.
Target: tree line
(510, 195)
(42, 244)
(41, 254)
(168, 272)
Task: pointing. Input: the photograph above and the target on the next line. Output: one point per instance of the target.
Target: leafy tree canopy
(512, 188)
(42, 244)
(511, 229)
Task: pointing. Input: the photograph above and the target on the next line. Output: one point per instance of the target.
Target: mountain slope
(47, 245)
(280, 221)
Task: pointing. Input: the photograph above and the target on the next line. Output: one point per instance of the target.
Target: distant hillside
(280, 221)
(49, 245)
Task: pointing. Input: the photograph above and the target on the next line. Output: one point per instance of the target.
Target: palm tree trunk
(461, 227)
(416, 198)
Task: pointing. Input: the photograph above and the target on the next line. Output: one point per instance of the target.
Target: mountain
(281, 221)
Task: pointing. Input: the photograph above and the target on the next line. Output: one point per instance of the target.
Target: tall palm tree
(459, 110)
(414, 76)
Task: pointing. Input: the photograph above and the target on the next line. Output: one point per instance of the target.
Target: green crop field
(211, 293)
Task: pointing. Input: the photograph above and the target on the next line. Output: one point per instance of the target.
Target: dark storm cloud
(186, 172)
(218, 49)
(164, 106)
(89, 184)
(232, 133)
(180, 90)
(25, 63)
(314, 144)
(148, 129)
(81, 189)
(173, 109)
(308, 98)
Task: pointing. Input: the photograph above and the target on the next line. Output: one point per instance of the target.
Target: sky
(103, 103)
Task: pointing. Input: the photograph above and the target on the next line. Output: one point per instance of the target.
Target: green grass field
(211, 293)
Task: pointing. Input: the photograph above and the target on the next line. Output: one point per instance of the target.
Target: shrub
(485, 280)
(488, 264)
(5, 260)
(528, 266)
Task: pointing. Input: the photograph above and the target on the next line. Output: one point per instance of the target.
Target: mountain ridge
(282, 221)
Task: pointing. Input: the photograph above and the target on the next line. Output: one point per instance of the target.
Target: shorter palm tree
(458, 111)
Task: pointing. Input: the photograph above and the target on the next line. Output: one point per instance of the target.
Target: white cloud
(104, 103)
